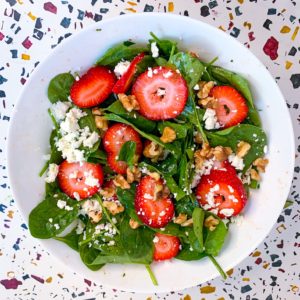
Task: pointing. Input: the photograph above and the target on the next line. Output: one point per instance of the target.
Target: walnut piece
(180, 219)
(93, 210)
(198, 138)
(254, 175)
(154, 175)
(168, 135)
(187, 223)
(206, 151)
(129, 102)
(221, 153)
(205, 88)
(101, 123)
(153, 151)
(133, 174)
(107, 192)
(242, 149)
(97, 111)
(208, 102)
(211, 223)
(260, 164)
(113, 207)
(199, 159)
(95, 216)
(121, 182)
(133, 224)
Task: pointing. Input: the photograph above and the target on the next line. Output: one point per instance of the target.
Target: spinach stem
(218, 267)
(107, 214)
(151, 274)
(172, 52)
(53, 121)
(44, 169)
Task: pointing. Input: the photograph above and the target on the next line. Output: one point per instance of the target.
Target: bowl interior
(31, 126)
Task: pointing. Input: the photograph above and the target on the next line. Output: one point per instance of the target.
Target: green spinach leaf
(59, 87)
(198, 219)
(71, 239)
(127, 153)
(88, 255)
(167, 47)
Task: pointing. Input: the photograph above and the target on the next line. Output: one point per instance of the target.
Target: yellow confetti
(295, 33)
(149, 298)
(285, 29)
(256, 254)
(131, 9)
(248, 25)
(49, 279)
(231, 16)
(229, 272)
(31, 16)
(132, 3)
(265, 266)
(10, 274)
(221, 28)
(187, 297)
(10, 214)
(207, 289)
(241, 1)
(288, 64)
(222, 298)
(281, 228)
(20, 2)
(294, 288)
(170, 7)
(25, 56)
(246, 279)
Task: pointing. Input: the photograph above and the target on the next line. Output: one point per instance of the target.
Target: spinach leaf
(71, 239)
(40, 218)
(188, 254)
(88, 255)
(133, 117)
(127, 152)
(59, 87)
(55, 156)
(167, 47)
(168, 165)
(198, 218)
(186, 205)
(251, 134)
(98, 156)
(147, 62)
(180, 129)
(120, 52)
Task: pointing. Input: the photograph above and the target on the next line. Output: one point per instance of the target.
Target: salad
(153, 154)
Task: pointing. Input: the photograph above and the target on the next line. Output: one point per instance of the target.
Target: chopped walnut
(95, 216)
(154, 175)
(133, 174)
(107, 192)
(199, 159)
(260, 164)
(121, 182)
(165, 192)
(168, 135)
(158, 191)
(206, 151)
(93, 210)
(129, 102)
(153, 151)
(221, 153)
(209, 102)
(242, 149)
(187, 223)
(198, 138)
(180, 219)
(254, 175)
(205, 88)
(211, 223)
(113, 207)
(133, 224)
(101, 123)
(97, 111)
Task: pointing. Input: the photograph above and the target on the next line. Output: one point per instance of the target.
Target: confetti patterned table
(30, 29)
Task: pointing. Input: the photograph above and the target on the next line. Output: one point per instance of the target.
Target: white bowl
(30, 128)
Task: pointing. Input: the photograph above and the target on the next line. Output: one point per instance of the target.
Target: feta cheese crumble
(227, 212)
(121, 68)
(155, 240)
(59, 110)
(61, 204)
(236, 161)
(52, 173)
(150, 73)
(211, 121)
(154, 50)
(90, 180)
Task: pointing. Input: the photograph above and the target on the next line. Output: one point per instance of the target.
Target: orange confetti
(31, 16)
(170, 7)
(231, 16)
(187, 297)
(229, 272)
(221, 28)
(288, 64)
(295, 33)
(285, 29)
(222, 298)
(10, 214)
(256, 254)
(241, 1)
(131, 9)
(49, 279)
(248, 25)
(207, 289)
(131, 3)
(265, 266)
(149, 298)
(25, 56)
(294, 288)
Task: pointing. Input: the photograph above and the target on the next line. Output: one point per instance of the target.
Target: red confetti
(271, 48)
(251, 36)
(27, 43)
(1, 36)
(49, 6)
(10, 283)
(258, 261)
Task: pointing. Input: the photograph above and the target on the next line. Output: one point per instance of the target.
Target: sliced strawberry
(116, 165)
(222, 193)
(79, 180)
(123, 84)
(154, 210)
(232, 108)
(93, 87)
(161, 92)
(117, 135)
(110, 185)
(165, 246)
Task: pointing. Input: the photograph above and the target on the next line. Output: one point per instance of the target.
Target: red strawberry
(221, 192)
(224, 166)
(110, 185)
(232, 108)
(123, 84)
(113, 141)
(161, 92)
(93, 87)
(80, 180)
(154, 210)
(165, 246)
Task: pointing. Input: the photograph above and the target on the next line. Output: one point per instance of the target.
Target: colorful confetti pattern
(30, 29)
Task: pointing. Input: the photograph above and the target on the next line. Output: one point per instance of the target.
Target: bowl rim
(171, 17)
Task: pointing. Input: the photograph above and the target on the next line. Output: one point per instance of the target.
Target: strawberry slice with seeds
(161, 92)
(222, 193)
(153, 209)
(109, 185)
(93, 87)
(80, 180)
(165, 246)
(231, 108)
(113, 140)
(123, 84)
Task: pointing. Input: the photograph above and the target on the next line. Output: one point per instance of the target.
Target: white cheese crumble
(265, 149)
(156, 239)
(56, 226)
(150, 73)
(168, 74)
(91, 205)
(76, 196)
(197, 87)
(59, 110)
(121, 68)
(90, 180)
(52, 173)
(236, 161)
(80, 227)
(50, 220)
(106, 229)
(227, 212)
(211, 121)
(61, 204)
(154, 50)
